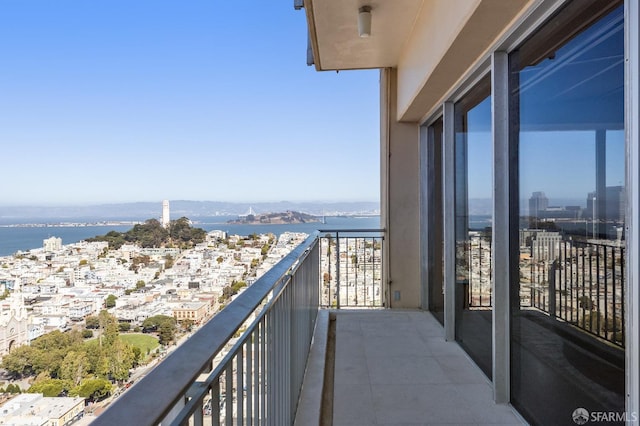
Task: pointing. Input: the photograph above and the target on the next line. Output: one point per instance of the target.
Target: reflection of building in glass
(615, 201)
(545, 246)
(537, 204)
(539, 209)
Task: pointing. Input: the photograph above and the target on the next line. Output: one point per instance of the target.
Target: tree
(121, 359)
(18, 361)
(87, 334)
(187, 324)
(92, 321)
(168, 261)
(109, 327)
(165, 325)
(49, 387)
(94, 389)
(184, 235)
(51, 349)
(124, 326)
(98, 360)
(11, 388)
(139, 261)
(137, 355)
(166, 332)
(5, 294)
(110, 301)
(75, 367)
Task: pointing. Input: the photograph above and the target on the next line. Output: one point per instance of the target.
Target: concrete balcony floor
(393, 367)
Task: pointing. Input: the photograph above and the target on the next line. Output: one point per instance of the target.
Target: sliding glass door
(434, 221)
(567, 313)
(473, 224)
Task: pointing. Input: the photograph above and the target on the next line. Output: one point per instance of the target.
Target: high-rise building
(614, 202)
(166, 218)
(537, 203)
(52, 244)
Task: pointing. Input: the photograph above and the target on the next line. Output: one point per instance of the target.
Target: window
(567, 318)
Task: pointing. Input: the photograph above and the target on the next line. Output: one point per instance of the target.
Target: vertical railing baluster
(613, 300)
(370, 286)
(271, 385)
(565, 284)
(606, 291)
(381, 286)
(570, 292)
(249, 384)
(256, 375)
(574, 284)
(622, 298)
(598, 273)
(240, 387)
(337, 270)
(582, 305)
(355, 269)
(197, 415)
(215, 402)
(228, 394)
(590, 289)
(263, 374)
(347, 282)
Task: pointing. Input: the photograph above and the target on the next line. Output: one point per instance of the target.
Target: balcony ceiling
(334, 32)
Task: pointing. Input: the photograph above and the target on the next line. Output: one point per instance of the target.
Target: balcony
(278, 354)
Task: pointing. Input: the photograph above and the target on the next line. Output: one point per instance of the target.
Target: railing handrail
(348, 230)
(246, 335)
(154, 396)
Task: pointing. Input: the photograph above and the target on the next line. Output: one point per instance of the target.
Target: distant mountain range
(190, 209)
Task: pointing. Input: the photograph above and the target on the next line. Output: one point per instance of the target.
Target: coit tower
(165, 213)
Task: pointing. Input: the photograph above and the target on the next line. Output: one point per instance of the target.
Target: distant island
(275, 218)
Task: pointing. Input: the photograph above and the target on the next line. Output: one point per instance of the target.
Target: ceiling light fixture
(364, 21)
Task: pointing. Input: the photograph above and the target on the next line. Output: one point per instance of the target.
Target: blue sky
(137, 100)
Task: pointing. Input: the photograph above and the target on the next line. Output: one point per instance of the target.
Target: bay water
(17, 236)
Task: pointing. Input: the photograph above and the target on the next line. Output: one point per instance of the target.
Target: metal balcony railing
(582, 283)
(245, 366)
(351, 268)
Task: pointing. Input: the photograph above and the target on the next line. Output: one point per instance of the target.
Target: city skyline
(132, 102)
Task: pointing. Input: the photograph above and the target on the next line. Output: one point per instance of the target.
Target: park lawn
(145, 342)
